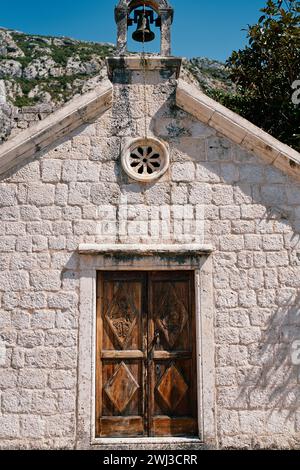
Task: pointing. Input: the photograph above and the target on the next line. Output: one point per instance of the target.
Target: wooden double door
(146, 380)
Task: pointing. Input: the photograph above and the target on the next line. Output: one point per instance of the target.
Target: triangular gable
(84, 109)
(237, 129)
(79, 111)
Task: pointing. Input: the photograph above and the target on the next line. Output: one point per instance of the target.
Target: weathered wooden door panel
(146, 375)
(172, 374)
(121, 347)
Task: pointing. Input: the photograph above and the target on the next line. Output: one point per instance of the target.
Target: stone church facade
(224, 208)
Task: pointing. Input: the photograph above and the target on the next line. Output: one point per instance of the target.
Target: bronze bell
(143, 32)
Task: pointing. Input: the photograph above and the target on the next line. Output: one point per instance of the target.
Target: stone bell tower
(144, 86)
(164, 17)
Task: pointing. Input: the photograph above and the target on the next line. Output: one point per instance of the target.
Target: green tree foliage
(266, 69)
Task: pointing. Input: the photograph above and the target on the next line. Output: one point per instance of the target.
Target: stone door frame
(91, 262)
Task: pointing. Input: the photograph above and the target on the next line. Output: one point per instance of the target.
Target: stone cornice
(135, 63)
(77, 112)
(145, 250)
(239, 130)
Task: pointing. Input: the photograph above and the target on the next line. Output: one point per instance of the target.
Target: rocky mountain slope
(38, 74)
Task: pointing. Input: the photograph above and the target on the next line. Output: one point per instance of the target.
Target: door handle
(155, 342)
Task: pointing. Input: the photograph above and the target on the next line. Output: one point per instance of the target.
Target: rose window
(145, 159)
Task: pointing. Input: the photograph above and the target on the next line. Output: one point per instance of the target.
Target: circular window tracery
(145, 159)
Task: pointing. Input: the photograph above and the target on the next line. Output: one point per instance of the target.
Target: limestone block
(252, 422)
(43, 319)
(183, 172)
(16, 401)
(243, 194)
(219, 149)
(253, 242)
(105, 193)
(277, 259)
(208, 172)
(230, 173)
(274, 194)
(158, 194)
(62, 379)
(32, 379)
(41, 194)
(44, 402)
(255, 278)
(8, 379)
(61, 194)
(9, 213)
(33, 300)
(62, 228)
(239, 318)
(20, 320)
(45, 280)
(228, 421)
(51, 171)
(28, 172)
(232, 243)
(9, 426)
(30, 213)
(7, 244)
(247, 298)
(30, 339)
(66, 319)
(58, 338)
(63, 300)
(226, 298)
(266, 298)
(273, 242)
(250, 335)
(17, 358)
(14, 281)
(252, 173)
(240, 227)
(57, 243)
(200, 194)
(60, 425)
(69, 171)
(280, 422)
(78, 194)
(230, 212)
(7, 195)
(41, 357)
(87, 171)
(227, 336)
(232, 355)
(222, 195)
(253, 211)
(225, 376)
(66, 401)
(293, 194)
(231, 397)
(66, 357)
(32, 426)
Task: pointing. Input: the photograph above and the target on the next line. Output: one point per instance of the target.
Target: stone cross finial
(161, 7)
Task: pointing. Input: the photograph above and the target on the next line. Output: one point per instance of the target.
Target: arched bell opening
(144, 32)
(128, 13)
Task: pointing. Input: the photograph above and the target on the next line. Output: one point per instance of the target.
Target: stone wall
(75, 192)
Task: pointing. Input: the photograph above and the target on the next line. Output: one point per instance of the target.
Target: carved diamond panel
(121, 387)
(172, 387)
(122, 314)
(171, 316)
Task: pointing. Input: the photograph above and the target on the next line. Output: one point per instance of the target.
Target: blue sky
(201, 28)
